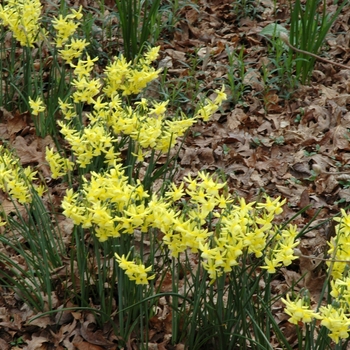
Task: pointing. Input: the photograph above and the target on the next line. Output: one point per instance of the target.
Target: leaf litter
(296, 147)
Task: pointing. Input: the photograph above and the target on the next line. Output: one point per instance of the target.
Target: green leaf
(273, 30)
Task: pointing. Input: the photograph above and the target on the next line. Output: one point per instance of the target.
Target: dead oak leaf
(4, 132)
(190, 157)
(206, 156)
(16, 123)
(271, 100)
(87, 346)
(93, 336)
(327, 93)
(317, 118)
(28, 153)
(326, 184)
(344, 194)
(37, 343)
(4, 345)
(41, 322)
(340, 138)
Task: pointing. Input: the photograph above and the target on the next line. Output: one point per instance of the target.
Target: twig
(285, 39)
(321, 259)
(318, 171)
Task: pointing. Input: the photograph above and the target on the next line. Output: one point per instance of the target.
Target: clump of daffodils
(15, 180)
(22, 17)
(108, 202)
(197, 215)
(112, 120)
(336, 315)
(338, 247)
(333, 316)
(239, 228)
(281, 253)
(113, 207)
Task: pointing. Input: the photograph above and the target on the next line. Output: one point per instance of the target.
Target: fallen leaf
(87, 346)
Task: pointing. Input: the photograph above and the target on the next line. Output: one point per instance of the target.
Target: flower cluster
(114, 207)
(211, 107)
(282, 251)
(121, 76)
(71, 48)
(15, 180)
(110, 119)
(299, 311)
(59, 166)
(239, 228)
(334, 316)
(66, 26)
(22, 17)
(90, 142)
(135, 272)
(339, 246)
(335, 319)
(108, 203)
(37, 106)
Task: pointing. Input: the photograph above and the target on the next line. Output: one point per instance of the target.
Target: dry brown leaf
(37, 343)
(28, 153)
(206, 156)
(17, 123)
(190, 157)
(87, 346)
(271, 100)
(304, 199)
(41, 322)
(340, 138)
(5, 344)
(93, 335)
(344, 194)
(292, 278)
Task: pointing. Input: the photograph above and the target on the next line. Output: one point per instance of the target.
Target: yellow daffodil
(37, 106)
(22, 18)
(298, 311)
(336, 321)
(135, 272)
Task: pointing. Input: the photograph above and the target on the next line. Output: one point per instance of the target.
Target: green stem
(175, 283)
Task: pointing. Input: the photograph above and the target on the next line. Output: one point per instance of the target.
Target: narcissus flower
(22, 18)
(336, 321)
(37, 106)
(16, 181)
(2, 223)
(299, 311)
(59, 166)
(66, 26)
(135, 272)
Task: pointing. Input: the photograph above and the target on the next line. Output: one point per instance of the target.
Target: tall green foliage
(308, 30)
(137, 21)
